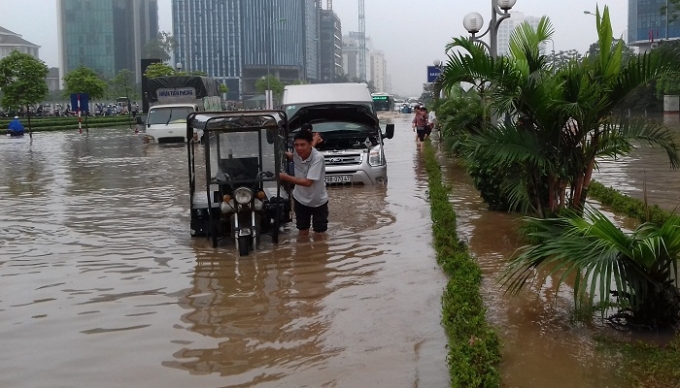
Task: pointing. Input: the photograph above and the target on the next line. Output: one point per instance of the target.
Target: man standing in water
(309, 194)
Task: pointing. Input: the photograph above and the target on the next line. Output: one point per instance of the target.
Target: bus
(383, 102)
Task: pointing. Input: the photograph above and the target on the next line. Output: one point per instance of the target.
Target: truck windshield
(169, 115)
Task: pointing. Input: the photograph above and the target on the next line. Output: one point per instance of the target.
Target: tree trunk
(586, 183)
(576, 199)
(28, 112)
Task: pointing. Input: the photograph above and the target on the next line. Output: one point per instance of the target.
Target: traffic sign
(84, 100)
(433, 72)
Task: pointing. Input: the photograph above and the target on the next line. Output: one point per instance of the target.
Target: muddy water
(542, 347)
(629, 174)
(101, 284)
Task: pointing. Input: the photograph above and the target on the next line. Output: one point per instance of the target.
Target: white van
(344, 116)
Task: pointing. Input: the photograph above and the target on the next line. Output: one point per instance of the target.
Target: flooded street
(102, 285)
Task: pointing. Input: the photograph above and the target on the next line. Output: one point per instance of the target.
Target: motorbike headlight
(243, 195)
(375, 157)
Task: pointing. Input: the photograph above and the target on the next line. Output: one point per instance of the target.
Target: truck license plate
(338, 178)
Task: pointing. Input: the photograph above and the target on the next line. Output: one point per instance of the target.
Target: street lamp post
(438, 64)
(473, 23)
(268, 94)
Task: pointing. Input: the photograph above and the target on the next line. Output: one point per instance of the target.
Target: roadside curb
(474, 349)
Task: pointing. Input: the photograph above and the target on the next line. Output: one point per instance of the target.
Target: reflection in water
(102, 285)
(629, 173)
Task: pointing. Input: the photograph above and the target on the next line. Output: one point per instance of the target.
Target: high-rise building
(351, 48)
(508, 26)
(209, 39)
(330, 37)
(241, 41)
(105, 35)
(10, 41)
(379, 71)
(647, 25)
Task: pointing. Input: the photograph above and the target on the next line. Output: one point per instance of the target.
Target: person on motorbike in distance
(15, 128)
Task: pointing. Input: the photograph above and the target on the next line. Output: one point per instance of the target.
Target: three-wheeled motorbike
(235, 192)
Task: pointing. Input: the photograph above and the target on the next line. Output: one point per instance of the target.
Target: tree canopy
(123, 85)
(161, 47)
(22, 81)
(85, 80)
(274, 83)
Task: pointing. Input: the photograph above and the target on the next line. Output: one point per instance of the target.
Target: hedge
(51, 122)
(622, 203)
(474, 349)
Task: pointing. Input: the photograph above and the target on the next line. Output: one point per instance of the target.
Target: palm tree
(562, 117)
(642, 266)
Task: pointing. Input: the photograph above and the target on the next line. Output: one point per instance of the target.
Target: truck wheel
(243, 245)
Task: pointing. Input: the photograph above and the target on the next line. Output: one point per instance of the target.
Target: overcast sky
(411, 33)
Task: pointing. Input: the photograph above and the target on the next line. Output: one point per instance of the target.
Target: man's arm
(296, 181)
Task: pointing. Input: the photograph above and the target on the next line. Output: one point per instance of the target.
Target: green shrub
(473, 346)
(622, 203)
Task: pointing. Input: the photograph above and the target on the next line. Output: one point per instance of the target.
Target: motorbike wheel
(243, 245)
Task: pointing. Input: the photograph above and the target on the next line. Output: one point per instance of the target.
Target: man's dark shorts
(316, 216)
(421, 131)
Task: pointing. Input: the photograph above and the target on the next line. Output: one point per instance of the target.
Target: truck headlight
(243, 195)
(376, 157)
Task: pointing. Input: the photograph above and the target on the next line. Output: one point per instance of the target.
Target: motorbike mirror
(389, 131)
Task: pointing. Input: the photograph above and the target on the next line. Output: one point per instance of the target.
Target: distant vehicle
(344, 115)
(172, 99)
(383, 102)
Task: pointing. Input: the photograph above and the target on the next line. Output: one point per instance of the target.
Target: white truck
(172, 99)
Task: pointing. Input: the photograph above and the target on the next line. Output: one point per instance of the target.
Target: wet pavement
(101, 284)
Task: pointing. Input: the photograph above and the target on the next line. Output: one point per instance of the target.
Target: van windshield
(335, 126)
(293, 109)
(169, 115)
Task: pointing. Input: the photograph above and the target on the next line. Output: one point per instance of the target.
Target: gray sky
(411, 33)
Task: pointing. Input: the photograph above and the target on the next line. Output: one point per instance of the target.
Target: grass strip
(622, 203)
(474, 349)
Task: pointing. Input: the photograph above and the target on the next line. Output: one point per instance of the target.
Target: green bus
(383, 102)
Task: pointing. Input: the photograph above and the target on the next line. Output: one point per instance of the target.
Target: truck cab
(172, 99)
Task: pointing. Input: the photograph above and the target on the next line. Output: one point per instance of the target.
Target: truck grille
(343, 160)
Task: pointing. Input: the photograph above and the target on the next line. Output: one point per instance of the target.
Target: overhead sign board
(433, 72)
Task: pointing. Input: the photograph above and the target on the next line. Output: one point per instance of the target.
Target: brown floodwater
(102, 286)
(542, 344)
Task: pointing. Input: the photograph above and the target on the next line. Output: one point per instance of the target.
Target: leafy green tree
(161, 47)
(641, 266)
(84, 80)
(673, 10)
(22, 80)
(224, 89)
(156, 70)
(560, 121)
(270, 82)
(123, 85)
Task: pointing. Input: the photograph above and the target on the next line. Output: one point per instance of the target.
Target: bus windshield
(383, 102)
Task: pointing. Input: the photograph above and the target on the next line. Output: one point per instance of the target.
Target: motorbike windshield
(245, 156)
(169, 115)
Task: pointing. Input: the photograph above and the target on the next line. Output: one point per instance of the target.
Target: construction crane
(362, 40)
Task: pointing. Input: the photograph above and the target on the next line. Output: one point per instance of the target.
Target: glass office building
(208, 34)
(648, 25)
(105, 35)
